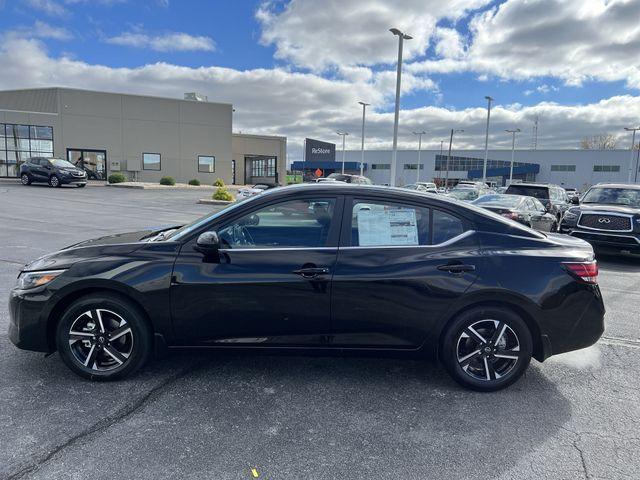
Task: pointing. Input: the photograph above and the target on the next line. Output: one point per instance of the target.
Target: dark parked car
(348, 178)
(553, 197)
(525, 210)
(54, 171)
(365, 269)
(608, 217)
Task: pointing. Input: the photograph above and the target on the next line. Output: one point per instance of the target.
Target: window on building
(151, 161)
(20, 142)
(606, 168)
(413, 166)
(563, 168)
(262, 166)
(380, 166)
(206, 164)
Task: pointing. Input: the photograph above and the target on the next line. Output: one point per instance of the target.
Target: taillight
(587, 272)
(511, 215)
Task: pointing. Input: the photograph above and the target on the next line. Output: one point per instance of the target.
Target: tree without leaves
(602, 141)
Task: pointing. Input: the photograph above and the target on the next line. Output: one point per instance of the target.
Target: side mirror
(207, 243)
(575, 200)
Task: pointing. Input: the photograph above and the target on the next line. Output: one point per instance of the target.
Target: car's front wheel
(103, 337)
(25, 179)
(487, 348)
(54, 181)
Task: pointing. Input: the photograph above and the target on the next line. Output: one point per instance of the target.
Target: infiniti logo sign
(604, 220)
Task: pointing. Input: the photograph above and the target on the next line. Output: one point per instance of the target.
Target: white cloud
(40, 29)
(48, 7)
(355, 32)
(169, 42)
(278, 101)
(573, 40)
(449, 43)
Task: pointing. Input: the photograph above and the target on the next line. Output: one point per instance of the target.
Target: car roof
(634, 186)
(526, 184)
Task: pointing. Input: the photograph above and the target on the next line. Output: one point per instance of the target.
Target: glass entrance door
(94, 162)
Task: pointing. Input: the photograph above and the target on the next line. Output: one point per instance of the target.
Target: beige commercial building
(143, 137)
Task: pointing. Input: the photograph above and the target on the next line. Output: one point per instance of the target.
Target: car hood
(601, 208)
(108, 245)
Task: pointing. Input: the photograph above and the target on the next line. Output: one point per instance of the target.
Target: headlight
(570, 215)
(28, 280)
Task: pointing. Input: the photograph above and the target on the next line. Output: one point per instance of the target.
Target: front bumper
(28, 314)
(68, 180)
(614, 241)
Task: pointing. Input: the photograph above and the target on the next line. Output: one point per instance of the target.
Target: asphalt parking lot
(200, 415)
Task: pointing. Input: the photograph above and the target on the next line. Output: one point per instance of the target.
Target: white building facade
(569, 168)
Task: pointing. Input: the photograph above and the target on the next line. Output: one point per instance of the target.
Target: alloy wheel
(488, 350)
(54, 181)
(101, 340)
(24, 178)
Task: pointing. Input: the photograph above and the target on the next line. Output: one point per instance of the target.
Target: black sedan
(357, 268)
(525, 210)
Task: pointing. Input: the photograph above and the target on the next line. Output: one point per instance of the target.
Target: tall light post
(633, 144)
(364, 108)
(441, 146)
(419, 148)
(401, 38)
(513, 151)
(446, 181)
(486, 140)
(343, 135)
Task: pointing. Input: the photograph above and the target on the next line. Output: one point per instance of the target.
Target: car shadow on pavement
(618, 263)
(294, 417)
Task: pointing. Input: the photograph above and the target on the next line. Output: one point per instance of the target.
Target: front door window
(94, 162)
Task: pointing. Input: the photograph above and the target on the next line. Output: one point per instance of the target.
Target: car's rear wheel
(103, 337)
(54, 181)
(25, 179)
(487, 348)
(82, 185)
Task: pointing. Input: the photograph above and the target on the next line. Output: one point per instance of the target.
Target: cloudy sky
(299, 67)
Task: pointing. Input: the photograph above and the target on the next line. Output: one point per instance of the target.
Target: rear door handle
(457, 268)
(311, 272)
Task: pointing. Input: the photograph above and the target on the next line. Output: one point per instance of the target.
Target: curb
(209, 201)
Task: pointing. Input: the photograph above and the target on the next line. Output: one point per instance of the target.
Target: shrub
(167, 181)
(117, 178)
(195, 182)
(218, 183)
(222, 194)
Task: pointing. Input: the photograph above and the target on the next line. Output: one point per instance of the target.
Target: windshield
(613, 196)
(190, 227)
(464, 194)
(58, 162)
(340, 177)
(541, 193)
(507, 201)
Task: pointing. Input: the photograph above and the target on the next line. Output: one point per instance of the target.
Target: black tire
(54, 181)
(82, 185)
(25, 179)
(554, 227)
(483, 371)
(92, 353)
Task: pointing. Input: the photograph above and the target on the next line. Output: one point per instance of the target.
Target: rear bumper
(564, 334)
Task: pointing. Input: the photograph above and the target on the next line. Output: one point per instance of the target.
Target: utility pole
(513, 151)
(633, 144)
(364, 107)
(486, 140)
(446, 182)
(401, 38)
(419, 148)
(344, 135)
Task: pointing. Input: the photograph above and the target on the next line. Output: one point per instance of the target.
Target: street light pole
(486, 140)
(344, 135)
(513, 151)
(401, 38)
(419, 148)
(364, 107)
(446, 182)
(633, 144)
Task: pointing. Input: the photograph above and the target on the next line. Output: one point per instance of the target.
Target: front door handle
(311, 272)
(457, 268)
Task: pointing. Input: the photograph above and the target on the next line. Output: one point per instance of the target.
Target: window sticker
(383, 225)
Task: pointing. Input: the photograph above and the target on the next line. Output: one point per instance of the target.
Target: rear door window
(379, 223)
(445, 226)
